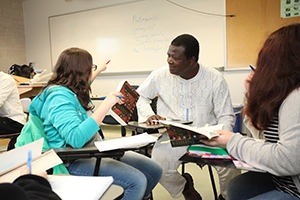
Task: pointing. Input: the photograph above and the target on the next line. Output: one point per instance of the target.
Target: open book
(123, 113)
(181, 135)
(13, 160)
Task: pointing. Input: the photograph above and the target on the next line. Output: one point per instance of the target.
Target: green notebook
(208, 152)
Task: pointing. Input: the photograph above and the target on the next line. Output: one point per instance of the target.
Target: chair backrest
(25, 104)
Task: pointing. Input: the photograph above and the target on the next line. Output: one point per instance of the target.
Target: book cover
(181, 135)
(210, 155)
(208, 152)
(123, 113)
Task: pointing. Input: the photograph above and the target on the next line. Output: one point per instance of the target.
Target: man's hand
(154, 117)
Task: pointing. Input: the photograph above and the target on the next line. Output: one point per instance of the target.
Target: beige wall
(12, 34)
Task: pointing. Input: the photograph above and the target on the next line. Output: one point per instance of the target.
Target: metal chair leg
(213, 185)
(97, 167)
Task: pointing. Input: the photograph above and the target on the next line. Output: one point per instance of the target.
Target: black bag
(24, 71)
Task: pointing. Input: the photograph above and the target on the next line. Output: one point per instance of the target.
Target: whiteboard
(135, 36)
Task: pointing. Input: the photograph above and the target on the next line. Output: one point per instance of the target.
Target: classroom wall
(36, 14)
(12, 35)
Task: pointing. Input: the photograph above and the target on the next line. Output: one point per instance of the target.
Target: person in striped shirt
(273, 114)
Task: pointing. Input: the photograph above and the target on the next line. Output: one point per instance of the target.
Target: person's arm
(7, 86)
(147, 91)
(102, 110)
(247, 81)
(36, 187)
(67, 116)
(279, 158)
(27, 187)
(100, 68)
(145, 111)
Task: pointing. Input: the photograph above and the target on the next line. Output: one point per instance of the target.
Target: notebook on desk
(70, 187)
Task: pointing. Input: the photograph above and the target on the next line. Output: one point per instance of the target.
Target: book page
(70, 187)
(125, 142)
(208, 131)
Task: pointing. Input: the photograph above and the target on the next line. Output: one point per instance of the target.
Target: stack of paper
(79, 187)
(125, 142)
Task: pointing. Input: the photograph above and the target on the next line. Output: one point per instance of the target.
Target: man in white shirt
(12, 117)
(188, 91)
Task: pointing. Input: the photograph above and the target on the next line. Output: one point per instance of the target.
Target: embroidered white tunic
(203, 99)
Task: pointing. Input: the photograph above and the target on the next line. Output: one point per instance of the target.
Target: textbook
(69, 187)
(122, 113)
(206, 151)
(204, 154)
(125, 142)
(181, 135)
(13, 160)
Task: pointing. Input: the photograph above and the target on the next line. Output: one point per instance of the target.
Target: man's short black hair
(190, 44)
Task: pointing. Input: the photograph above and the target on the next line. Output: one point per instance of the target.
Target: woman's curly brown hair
(73, 70)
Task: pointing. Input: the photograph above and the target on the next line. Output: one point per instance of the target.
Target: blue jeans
(136, 173)
(255, 186)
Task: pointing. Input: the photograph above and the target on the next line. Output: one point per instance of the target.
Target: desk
(214, 162)
(26, 91)
(186, 158)
(113, 192)
(68, 153)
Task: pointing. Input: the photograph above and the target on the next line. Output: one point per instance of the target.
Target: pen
(107, 62)
(252, 68)
(101, 134)
(29, 161)
(102, 98)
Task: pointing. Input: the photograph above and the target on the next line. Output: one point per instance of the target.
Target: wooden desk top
(26, 91)
(19, 80)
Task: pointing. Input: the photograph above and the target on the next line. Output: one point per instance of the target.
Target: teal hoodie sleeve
(65, 120)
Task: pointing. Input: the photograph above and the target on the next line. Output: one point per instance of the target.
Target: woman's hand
(221, 140)
(154, 117)
(101, 67)
(25, 170)
(112, 98)
(248, 80)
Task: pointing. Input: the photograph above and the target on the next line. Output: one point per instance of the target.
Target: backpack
(24, 70)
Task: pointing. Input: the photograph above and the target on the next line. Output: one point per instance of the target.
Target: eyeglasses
(94, 67)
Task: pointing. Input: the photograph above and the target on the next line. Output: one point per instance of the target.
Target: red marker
(107, 62)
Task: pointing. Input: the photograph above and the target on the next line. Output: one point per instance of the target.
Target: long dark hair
(72, 70)
(277, 74)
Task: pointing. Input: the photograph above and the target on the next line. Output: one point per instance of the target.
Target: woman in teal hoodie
(62, 107)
